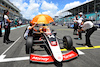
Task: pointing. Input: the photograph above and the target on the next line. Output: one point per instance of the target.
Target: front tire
(67, 42)
(29, 43)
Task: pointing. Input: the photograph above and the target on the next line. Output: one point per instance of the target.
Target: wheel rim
(65, 43)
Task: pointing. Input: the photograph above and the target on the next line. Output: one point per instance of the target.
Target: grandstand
(91, 10)
(13, 10)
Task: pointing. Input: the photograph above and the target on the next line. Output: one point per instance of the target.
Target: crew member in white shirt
(80, 25)
(29, 30)
(88, 26)
(7, 27)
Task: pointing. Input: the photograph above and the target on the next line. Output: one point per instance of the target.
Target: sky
(31, 8)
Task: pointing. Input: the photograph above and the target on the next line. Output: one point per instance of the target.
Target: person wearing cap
(88, 26)
(29, 30)
(0, 28)
(80, 25)
(7, 27)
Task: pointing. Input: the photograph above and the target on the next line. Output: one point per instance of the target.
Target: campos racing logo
(41, 59)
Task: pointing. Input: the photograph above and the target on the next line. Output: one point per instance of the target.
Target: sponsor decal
(53, 43)
(69, 55)
(38, 58)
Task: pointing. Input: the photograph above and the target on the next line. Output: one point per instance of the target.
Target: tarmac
(13, 54)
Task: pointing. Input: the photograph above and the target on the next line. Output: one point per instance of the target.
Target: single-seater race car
(51, 42)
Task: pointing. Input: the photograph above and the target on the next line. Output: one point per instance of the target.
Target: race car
(50, 41)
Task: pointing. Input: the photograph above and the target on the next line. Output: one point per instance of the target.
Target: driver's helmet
(44, 24)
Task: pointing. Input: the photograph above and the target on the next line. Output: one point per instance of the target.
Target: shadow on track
(82, 44)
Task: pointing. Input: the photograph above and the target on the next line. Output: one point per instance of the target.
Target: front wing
(48, 59)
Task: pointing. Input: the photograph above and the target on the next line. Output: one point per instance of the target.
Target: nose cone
(59, 57)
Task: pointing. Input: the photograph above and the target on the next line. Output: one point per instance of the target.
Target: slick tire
(29, 43)
(29, 50)
(67, 42)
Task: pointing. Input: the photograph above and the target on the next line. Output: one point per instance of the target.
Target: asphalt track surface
(13, 54)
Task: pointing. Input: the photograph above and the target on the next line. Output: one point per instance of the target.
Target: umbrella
(42, 19)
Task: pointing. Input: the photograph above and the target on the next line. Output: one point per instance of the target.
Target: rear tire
(67, 42)
(29, 43)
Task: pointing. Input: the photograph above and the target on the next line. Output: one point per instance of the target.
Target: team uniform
(7, 29)
(75, 25)
(80, 26)
(28, 32)
(79, 21)
(89, 28)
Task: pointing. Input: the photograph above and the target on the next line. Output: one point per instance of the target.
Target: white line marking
(2, 56)
(80, 52)
(14, 59)
(10, 46)
(26, 58)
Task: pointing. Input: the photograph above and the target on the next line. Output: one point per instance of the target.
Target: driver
(45, 29)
